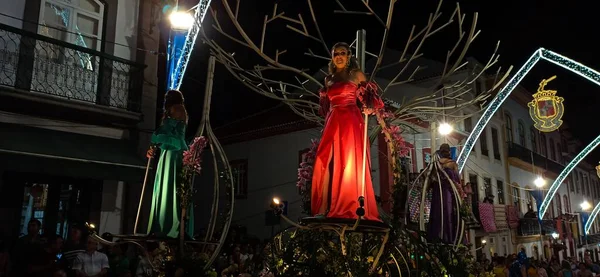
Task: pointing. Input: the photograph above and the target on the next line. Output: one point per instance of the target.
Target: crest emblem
(546, 109)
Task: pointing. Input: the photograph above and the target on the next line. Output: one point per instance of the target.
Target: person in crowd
(73, 247)
(44, 262)
(91, 262)
(25, 247)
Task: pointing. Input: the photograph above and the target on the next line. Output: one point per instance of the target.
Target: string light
(563, 175)
(493, 107)
(593, 214)
(555, 58)
(188, 46)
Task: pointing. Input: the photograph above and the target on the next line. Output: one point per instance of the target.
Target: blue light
(176, 75)
(174, 54)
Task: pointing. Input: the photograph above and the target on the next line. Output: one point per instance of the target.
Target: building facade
(77, 106)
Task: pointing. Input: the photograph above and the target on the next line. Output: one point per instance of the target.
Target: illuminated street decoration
(595, 212)
(546, 109)
(563, 175)
(588, 224)
(555, 58)
(183, 51)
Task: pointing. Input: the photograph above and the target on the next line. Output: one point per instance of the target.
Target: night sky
(521, 26)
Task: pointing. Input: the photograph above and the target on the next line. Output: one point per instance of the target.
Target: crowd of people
(37, 255)
(515, 266)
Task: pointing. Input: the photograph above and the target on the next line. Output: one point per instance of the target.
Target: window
(566, 204)
(483, 142)
(239, 170)
(76, 22)
(509, 128)
(474, 180)
(495, 144)
(500, 188)
(552, 150)
(521, 131)
(516, 196)
(580, 183)
(487, 184)
(468, 124)
(543, 149)
(570, 182)
(533, 138)
(478, 88)
(560, 157)
(586, 186)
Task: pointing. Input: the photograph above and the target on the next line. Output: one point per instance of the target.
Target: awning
(37, 150)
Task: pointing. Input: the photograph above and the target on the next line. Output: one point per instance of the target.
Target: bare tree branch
(298, 88)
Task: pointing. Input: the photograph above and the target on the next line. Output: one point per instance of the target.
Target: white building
(75, 112)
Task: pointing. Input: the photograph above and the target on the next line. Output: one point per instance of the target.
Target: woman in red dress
(338, 178)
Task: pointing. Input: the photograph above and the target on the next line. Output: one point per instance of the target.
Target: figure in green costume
(170, 139)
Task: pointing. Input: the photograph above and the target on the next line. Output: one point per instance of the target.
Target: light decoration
(593, 214)
(585, 205)
(445, 129)
(176, 73)
(539, 182)
(552, 57)
(563, 175)
(546, 109)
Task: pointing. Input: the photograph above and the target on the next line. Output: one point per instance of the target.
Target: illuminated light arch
(591, 219)
(563, 175)
(495, 104)
(176, 75)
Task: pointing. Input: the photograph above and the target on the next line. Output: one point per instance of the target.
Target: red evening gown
(339, 159)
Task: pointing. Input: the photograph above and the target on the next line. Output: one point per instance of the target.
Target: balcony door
(62, 71)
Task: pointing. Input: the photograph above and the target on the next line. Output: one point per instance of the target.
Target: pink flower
(193, 156)
(305, 169)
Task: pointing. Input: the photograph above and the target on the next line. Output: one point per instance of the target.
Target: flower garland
(305, 173)
(192, 159)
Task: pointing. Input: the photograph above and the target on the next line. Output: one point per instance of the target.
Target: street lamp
(555, 235)
(539, 182)
(445, 129)
(585, 205)
(182, 21)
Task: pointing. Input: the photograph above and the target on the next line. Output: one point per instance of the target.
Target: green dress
(164, 211)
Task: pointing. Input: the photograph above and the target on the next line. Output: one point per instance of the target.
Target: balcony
(524, 154)
(533, 227)
(36, 69)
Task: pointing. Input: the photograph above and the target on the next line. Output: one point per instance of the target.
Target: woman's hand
(151, 152)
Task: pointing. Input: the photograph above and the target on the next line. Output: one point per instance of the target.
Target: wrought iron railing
(532, 226)
(37, 63)
(524, 154)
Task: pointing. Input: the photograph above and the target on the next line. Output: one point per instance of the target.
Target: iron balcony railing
(524, 154)
(37, 63)
(532, 227)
